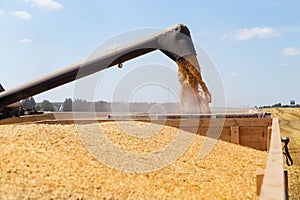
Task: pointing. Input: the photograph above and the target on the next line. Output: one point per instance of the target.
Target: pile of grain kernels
(49, 161)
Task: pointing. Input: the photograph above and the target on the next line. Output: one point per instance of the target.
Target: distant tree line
(29, 104)
(279, 105)
(79, 105)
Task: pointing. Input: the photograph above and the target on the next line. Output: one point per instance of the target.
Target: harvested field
(42, 161)
(289, 121)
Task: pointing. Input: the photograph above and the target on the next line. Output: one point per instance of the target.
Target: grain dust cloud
(194, 94)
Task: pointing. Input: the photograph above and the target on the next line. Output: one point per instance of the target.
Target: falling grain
(194, 94)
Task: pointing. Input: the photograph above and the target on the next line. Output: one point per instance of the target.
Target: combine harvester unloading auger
(175, 42)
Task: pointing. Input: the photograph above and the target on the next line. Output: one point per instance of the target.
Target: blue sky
(255, 45)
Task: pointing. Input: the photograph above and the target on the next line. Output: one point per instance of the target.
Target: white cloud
(255, 32)
(232, 74)
(2, 12)
(290, 51)
(25, 41)
(47, 4)
(21, 14)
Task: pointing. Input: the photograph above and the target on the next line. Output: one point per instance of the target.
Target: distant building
(292, 103)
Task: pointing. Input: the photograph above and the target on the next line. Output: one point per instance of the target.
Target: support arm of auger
(175, 42)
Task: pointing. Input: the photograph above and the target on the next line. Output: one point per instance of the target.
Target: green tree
(47, 106)
(80, 105)
(67, 105)
(277, 105)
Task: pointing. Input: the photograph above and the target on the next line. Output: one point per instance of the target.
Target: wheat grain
(41, 161)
